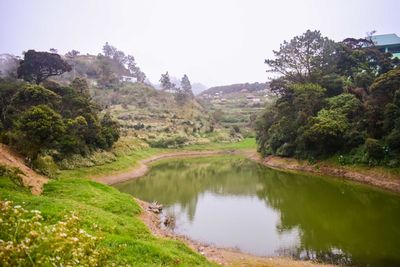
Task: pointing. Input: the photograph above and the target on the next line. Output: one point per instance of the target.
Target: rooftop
(385, 39)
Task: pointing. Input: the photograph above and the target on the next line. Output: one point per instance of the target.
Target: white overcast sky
(214, 42)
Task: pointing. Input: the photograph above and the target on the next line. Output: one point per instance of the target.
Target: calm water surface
(233, 202)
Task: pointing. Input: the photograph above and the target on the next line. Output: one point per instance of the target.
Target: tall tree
(186, 86)
(304, 58)
(109, 50)
(166, 83)
(38, 66)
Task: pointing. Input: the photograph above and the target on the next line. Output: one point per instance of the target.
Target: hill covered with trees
(334, 98)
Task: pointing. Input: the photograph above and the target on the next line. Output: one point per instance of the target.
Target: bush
(172, 142)
(45, 165)
(374, 149)
(13, 173)
(26, 241)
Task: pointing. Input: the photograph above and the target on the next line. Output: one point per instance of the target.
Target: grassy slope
(126, 162)
(116, 215)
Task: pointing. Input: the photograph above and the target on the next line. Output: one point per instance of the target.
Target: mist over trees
(335, 98)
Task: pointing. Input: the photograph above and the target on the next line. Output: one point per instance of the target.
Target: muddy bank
(368, 176)
(221, 256)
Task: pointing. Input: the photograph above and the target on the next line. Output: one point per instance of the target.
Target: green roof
(385, 39)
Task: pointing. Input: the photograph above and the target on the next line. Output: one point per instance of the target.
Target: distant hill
(236, 88)
(198, 88)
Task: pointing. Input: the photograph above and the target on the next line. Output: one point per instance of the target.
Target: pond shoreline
(370, 177)
(219, 255)
(232, 257)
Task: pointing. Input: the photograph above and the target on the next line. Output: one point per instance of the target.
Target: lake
(236, 203)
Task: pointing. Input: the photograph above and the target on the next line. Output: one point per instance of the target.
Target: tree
(40, 128)
(186, 86)
(81, 86)
(134, 69)
(72, 54)
(38, 66)
(305, 58)
(109, 50)
(140, 75)
(110, 130)
(166, 83)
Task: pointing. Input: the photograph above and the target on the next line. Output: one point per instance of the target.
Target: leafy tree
(186, 86)
(39, 128)
(166, 83)
(326, 131)
(304, 58)
(26, 97)
(38, 66)
(110, 130)
(81, 86)
(308, 97)
(109, 50)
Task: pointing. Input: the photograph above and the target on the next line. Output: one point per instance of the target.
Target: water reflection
(237, 203)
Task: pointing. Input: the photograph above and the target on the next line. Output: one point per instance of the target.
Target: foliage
(304, 57)
(333, 98)
(172, 142)
(25, 241)
(38, 66)
(166, 83)
(55, 121)
(45, 165)
(14, 174)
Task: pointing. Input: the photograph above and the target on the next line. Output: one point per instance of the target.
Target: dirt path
(142, 166)
(30, 178)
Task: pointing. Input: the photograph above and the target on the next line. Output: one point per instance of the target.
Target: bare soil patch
(31, 179)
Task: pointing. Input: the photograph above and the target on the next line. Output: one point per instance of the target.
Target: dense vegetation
(333, 99)
(51, 120)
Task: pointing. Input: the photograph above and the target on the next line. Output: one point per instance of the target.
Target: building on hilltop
(128, 79)
(387, 43)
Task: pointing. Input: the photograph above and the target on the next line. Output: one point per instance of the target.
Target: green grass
(126, 162)
(247, 143)
(115, 214)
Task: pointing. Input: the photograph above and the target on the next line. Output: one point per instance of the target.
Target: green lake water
(233, 202)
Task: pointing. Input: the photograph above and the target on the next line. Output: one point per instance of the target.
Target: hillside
(236, 88)
(237, 104)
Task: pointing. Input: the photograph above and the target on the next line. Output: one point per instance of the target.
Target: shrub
(13, 173)
(374, 149)
(45, 165)
(26, 241)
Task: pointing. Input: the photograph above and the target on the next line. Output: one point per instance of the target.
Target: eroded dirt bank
(367, 176)
(30, 178)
